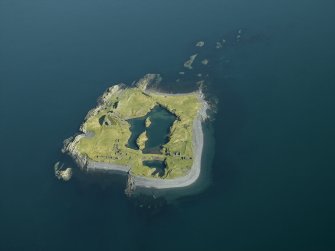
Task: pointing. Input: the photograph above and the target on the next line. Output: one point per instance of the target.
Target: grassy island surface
(106, 131)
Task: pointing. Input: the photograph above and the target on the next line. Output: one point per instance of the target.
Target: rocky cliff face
(70, 148)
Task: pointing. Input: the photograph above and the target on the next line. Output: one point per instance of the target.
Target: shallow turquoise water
(272, 185)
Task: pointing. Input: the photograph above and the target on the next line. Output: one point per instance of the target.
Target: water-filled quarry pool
(158, 131)
(158, 165)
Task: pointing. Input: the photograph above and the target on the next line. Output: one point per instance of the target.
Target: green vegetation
(141, 140)
(147, 122)
(108, 131)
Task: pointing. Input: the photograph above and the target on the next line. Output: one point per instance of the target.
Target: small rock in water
(147, 122)
(218, 45)
(205, 61)
(61, 173)
(181, 73)
(199, 75)
(200, 83)
(200, 44)
(188, 63)
(238, 37)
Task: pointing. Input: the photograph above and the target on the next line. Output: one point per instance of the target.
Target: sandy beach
(190, 178)
(93, 166)
(186, 180)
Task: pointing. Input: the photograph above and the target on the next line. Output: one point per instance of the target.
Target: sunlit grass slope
(108, 131)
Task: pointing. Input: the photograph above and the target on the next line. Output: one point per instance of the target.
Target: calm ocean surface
(273, 169)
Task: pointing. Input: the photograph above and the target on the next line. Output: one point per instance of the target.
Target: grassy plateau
(107, 130)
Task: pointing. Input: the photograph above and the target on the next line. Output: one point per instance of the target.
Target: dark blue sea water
(272, 184)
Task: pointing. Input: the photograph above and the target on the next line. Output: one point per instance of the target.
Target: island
(200, 44)
(107, 141)
(189, 62)
(205, 61)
